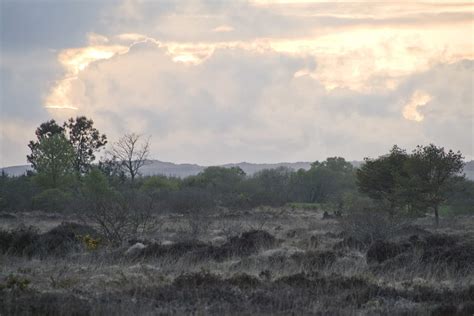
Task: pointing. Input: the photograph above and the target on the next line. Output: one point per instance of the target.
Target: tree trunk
(436, 215)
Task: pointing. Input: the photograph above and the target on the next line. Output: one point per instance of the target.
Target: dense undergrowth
(317, 268)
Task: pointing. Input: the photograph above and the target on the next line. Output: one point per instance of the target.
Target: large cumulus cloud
(243, 104)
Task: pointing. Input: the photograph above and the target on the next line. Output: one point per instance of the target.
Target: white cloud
(411, 111)
(223, 29)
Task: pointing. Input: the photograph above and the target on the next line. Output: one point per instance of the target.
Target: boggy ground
(265, 261)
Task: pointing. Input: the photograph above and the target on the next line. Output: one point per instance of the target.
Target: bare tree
(131, 151)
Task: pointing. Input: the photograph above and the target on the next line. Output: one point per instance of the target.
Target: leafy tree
(86, 140)
(432, 172)
(54, 160)
(324, 182)
(461, 198)
(158, 183)
(217, 179)
(45, 130)
(380, 178)
(269, 187)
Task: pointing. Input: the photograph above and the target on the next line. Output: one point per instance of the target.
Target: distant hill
(469, 170)
(156, 167)
(16, 171)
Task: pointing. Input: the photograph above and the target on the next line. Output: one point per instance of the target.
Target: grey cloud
(27, 25)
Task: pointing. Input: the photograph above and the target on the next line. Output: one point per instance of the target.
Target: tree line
(66, 177)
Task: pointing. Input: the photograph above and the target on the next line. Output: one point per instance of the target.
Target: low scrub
(245, 244)
(59, 241)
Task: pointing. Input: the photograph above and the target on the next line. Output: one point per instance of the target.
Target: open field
(262, 261)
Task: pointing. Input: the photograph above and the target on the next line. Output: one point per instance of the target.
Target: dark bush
(457, 256)
(63, 239)
(244, 281)
(350, 243)
(440, 240)
(19, 241)
(175, 250)
(380, 251)
(52, 200)
(443, 310)
(315, 259)
(200, 279)
(244, 245)
(250, 242)
(34, 303)
(299, 280)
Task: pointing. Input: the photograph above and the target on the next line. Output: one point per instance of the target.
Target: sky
(213, 82)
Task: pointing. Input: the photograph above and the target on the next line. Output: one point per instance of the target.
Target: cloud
(218, 82)
(418, 99)
(223, 29)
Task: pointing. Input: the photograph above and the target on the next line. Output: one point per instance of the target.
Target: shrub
(14, 282)
(380, 251)
(35, 303)
(200, 279)
(244, 281)
(59, 241)
(313, 260)
(63, 239)
(369, 225)
(52, 200)
(19, 241)
(250, 242)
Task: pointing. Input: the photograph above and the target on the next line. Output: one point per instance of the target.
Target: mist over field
(244, 157)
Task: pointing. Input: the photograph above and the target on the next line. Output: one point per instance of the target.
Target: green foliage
(460, 199)
(19, 241)
(54, 161)
(432, 173)
(380, 178)
(159, 183)
(414, 182)
(96, 186)
(217, 179)
(45, 130)
(16, 193)
(14, 282)
(52, 200)
(268, 187)
(86, 140)
(324, 182)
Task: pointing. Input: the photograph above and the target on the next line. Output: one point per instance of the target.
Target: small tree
(86, 140)
(54, 158)
(45, 130)
(432, 171)
(118, 215)
(131, 151)
(380, 178)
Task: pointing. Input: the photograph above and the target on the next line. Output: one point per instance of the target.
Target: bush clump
(311, 260)
(175, 250)
(63, 239)
(244, 281)
(246, 244)
(34, 303)
(381, 251)
(250, 242)
(59, 241)
(19, 241)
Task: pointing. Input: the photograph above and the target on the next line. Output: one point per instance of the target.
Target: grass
(305, 206)
(295, 265)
